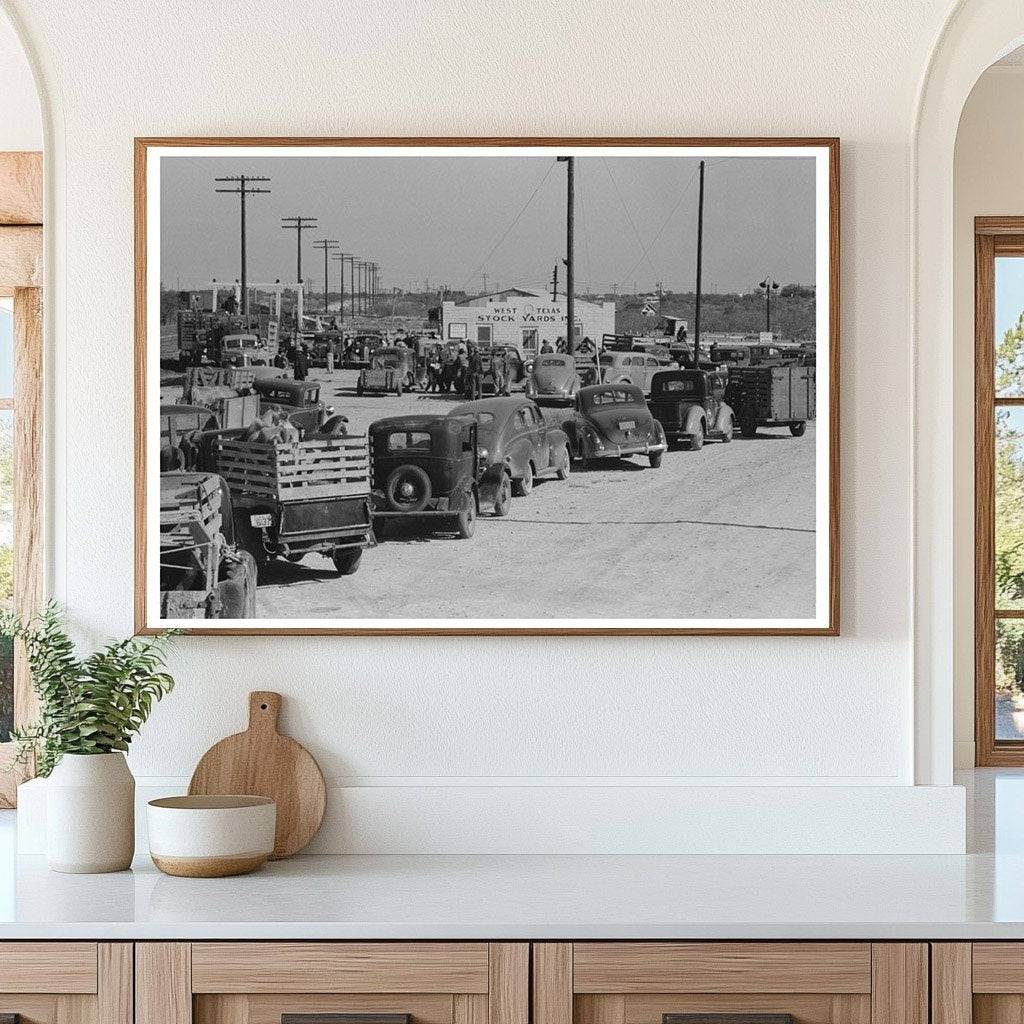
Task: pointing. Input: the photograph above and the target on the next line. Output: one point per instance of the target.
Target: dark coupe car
(690, 406)
(516, 445)
(612, 421)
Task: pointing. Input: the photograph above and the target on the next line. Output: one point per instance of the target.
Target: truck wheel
(522, 487)
(465, 521)
(346, 560)
(398, 390)
(697, 439)
(564, 466)
(797, 429)
(503, 502)
(655, 458)
(727, 430)
(250, 541)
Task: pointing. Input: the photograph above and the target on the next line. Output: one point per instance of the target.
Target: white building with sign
(523, 318)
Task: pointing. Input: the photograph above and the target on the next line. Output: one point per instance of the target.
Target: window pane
(6, 349)
(6, 567)
(1009, 679)
(1009, 322)
(1009, 524)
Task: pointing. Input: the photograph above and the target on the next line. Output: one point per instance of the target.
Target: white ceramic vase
(90, 814)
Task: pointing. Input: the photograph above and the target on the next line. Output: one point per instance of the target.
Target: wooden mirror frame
(21, 277)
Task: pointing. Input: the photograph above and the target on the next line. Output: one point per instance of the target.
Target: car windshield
(610, 396)
(607, 359)
(554, 362)
(409, 440)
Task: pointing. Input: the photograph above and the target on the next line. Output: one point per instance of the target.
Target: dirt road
(724, 532)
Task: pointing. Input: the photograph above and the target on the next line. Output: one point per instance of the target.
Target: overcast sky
(453, 219)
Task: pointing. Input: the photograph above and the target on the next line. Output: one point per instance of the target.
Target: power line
(625, 210)
(515, 221)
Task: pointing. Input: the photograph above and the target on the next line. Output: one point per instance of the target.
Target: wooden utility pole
(327, 244)
(570, 276)
(340, 257)
(554, 285)
(700, 259)
(242, 191)
(298, 225)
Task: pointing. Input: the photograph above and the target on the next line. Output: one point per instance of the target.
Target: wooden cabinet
(979, 982)
(652, 982)
(66, 982)
(262, 982)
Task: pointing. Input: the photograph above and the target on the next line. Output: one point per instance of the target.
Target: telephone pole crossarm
(244, 188)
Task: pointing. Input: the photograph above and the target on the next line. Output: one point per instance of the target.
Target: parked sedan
(553, 379)
(516, 445)
(612, 421)
(629, 368)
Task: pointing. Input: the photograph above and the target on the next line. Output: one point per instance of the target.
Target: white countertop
(978, 896)
(532, 897)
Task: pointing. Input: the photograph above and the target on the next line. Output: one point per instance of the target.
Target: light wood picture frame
(180, 265)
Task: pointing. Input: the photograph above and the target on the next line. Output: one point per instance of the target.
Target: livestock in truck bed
(292, 499)
(299, 471)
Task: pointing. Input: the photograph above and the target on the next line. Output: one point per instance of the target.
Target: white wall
(987, 181)
(21, 125)
(443, 714)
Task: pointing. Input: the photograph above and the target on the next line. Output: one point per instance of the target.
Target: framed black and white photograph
(443, 386)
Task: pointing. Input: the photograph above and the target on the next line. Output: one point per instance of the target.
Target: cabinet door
(736, 982)
(980, 982)
(66, 982)
(332, 983)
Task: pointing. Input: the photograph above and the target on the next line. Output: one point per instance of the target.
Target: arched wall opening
(976, 34)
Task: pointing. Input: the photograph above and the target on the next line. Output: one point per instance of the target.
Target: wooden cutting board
(262, 762)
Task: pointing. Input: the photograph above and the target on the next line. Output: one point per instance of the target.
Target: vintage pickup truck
(292, 499)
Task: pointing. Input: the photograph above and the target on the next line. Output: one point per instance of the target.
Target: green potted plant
(89, 710)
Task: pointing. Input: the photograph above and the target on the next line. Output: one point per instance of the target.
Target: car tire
(422, 491)
(728, 429)
(797, 429)
(655, 458)
(565, 466)
(503, 501)
(398, 390)
(346, 560)
(522, 487)
(465, 521)
(697, 440)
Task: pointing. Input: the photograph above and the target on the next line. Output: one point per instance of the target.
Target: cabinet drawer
(634, 967)
(733, 982)
(264, 982)
(48, 967)
(340, 967)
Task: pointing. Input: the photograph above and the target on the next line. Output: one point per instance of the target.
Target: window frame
(993, 237)
(21, 262)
